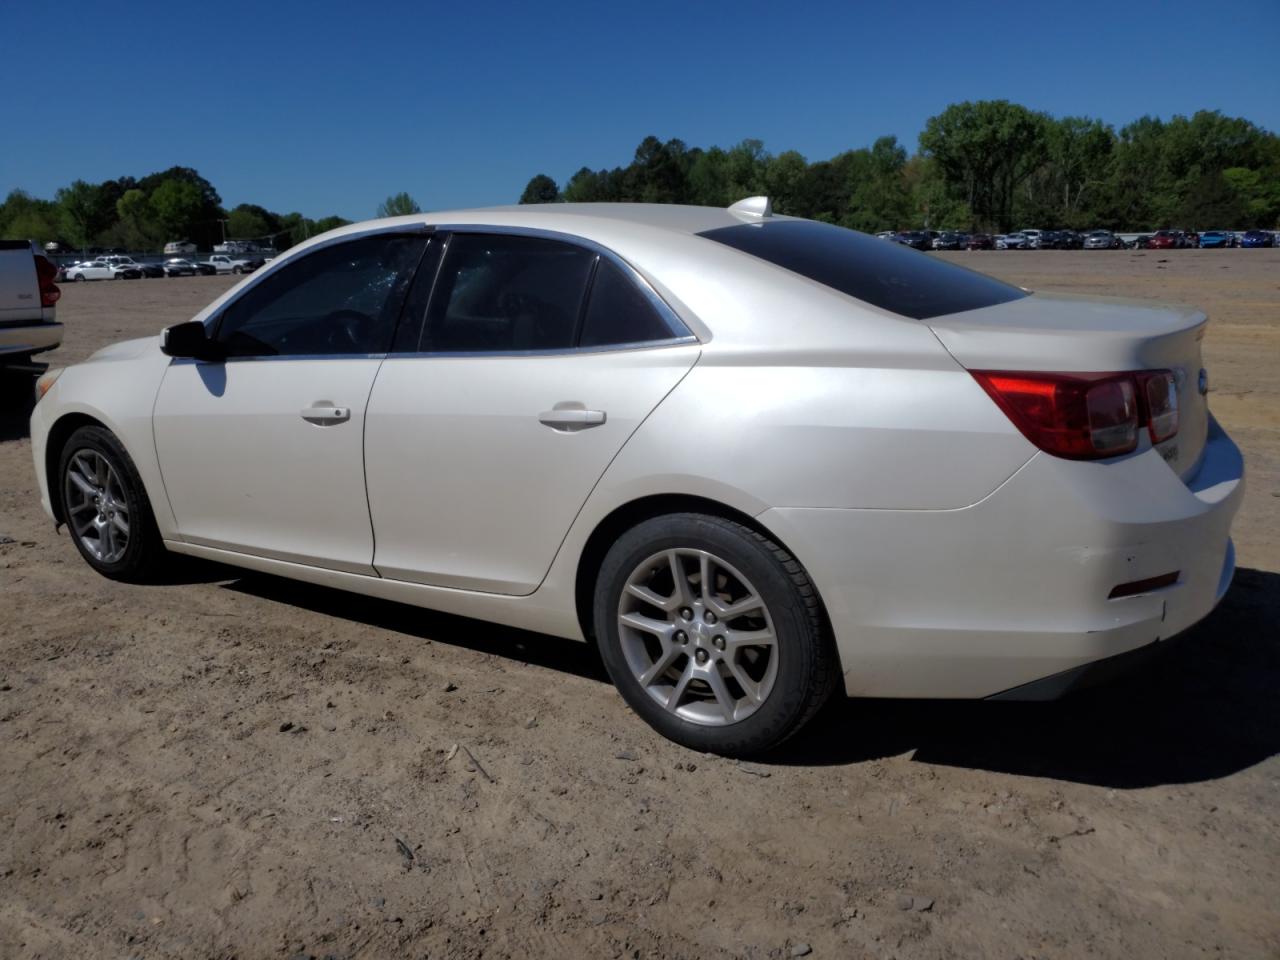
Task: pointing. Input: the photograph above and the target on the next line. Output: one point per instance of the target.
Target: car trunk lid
(1078, 334)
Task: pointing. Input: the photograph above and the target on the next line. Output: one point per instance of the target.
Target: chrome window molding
(556, 352)
(269, 358)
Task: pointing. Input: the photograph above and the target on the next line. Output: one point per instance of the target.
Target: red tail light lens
(1076, 416)
(45, 273)
(1160, 393)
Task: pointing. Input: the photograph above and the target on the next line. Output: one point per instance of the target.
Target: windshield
(889, 276)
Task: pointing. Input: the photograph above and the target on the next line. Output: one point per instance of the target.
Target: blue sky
(328, 107)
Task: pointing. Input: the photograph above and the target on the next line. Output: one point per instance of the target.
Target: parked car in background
(205, 269)
(915, 239)
(28, 303)
(1211, 239)
(126, 271)
(882, 235)
(150, 269)
(1257, 238)
(1167, 240)
(949, 241)
(1070, 240)
(180, 248)
(1099, 240)
(178, 267)
(92, 270)
(948, 531)
(1032, 238)
(1011, 241)
(979, 241)
(223, 263)
(1190, 239)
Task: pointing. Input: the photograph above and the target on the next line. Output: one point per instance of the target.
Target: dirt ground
(232, 765)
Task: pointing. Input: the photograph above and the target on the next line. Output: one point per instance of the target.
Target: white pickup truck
(28, 295)
(227, 264)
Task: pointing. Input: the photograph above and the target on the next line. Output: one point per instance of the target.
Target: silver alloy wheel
(97, 510)
(698, 637)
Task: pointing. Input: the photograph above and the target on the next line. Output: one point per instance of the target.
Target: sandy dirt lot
(232, 765)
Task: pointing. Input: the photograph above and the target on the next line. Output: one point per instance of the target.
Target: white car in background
(755, 458)
(92, 270)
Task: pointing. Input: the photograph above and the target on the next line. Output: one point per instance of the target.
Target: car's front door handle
(325, 416)
(571, 418)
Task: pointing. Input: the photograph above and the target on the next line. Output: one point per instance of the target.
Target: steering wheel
(348, 331)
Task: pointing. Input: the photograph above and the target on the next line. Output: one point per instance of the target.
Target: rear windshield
(886, 275)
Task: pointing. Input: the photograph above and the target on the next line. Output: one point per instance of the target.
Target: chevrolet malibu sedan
(754, 458)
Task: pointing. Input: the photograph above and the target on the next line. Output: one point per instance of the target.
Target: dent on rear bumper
(976, 601)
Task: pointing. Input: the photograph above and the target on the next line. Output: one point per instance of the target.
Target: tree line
(145, 213)
(986, 165)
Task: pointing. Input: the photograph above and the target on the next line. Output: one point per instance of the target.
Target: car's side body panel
(245, 471)
(445, 433)
(116, 387)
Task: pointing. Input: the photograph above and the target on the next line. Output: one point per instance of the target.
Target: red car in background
(980, 241)
(1167, 240)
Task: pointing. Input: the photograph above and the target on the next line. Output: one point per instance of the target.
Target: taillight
(1086, 416)
(45, 273)
(1160, 394)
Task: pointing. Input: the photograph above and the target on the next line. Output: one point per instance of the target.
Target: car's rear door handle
(325, 415)
(571, 418)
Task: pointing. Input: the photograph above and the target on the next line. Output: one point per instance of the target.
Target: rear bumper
(1015, 589)
(29, 339)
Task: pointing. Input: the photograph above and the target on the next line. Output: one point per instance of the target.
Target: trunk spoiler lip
(1050, 313)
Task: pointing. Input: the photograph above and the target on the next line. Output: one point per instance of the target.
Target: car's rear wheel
(713, 633)
(106, 507)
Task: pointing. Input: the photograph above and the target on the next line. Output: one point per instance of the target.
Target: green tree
(540, 189)
(23, 217)
(398, 205)
(248, 222)
(984, 151)
(177, 206)
(136, 228)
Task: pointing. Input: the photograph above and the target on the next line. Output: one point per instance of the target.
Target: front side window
(340, 299)
(503, 293)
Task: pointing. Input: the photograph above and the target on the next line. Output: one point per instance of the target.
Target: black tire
(808, 666)
(237, 271)
(144, 552)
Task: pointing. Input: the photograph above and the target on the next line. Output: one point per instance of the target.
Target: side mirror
(189, 340)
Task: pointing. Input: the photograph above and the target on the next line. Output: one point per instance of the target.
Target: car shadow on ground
(523, 646)
(1206, 709)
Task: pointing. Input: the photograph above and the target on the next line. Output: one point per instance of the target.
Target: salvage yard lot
(235, 765)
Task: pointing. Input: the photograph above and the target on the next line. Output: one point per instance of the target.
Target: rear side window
(619, 311)
(885, 275)
(340, 299)
(497, 293)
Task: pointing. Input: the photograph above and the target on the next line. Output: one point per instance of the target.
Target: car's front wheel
(106, 507)
(713, 633)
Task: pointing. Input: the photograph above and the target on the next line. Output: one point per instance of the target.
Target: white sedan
(754, 458)
(92, 270)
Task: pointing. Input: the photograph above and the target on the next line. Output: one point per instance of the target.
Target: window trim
(213, 322)
(669, 316)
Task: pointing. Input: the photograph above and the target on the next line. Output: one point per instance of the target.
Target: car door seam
(364, 467)
(617, 453)
(155, 447)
